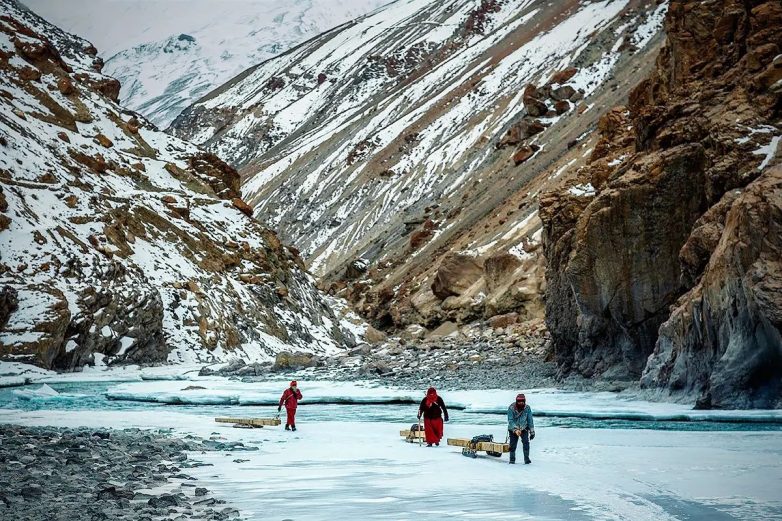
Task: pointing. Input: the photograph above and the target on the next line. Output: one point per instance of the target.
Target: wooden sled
(251, 423)
(412, 436)
(470, 449)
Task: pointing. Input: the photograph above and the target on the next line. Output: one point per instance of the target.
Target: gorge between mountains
(590, 192)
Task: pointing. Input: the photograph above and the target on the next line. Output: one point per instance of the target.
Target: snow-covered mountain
(120, 242)
(167, 54)
(407, 148)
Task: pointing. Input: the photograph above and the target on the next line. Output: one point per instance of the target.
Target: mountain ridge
(123, 244)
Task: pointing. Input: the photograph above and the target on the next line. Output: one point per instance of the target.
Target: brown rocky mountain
(119, 243)
(671, 270)
(403, 153)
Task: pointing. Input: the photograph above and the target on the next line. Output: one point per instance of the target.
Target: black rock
(31, 491)
(163, 501)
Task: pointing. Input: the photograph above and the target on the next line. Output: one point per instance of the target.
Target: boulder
(562, 93)
(445, 329)
(535, 107)
(563, 76)
(299, 360)
(243, 207)
(522, 130)
(65, 86)
(457, 272)
(104, 141)
(533, 101)
(29, 74)
(561, 106)
(523, 153)
(502, 321)
(373, 336)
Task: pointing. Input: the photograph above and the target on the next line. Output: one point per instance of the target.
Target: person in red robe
(290, 399)
(433, 410)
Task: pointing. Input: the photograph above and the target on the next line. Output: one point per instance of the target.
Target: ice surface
(42, 392)
(362, 470)
(544, 402)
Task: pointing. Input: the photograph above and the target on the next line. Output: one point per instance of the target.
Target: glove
(446, 418)
(531, 435)
(279, 408)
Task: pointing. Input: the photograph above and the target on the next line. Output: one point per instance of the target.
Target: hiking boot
(513, 462)
(527, 462)
(428, 444)
(287, 427)
(437, 444)
(293, 428)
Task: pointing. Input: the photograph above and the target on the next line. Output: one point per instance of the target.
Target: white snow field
(363, 470)
(169, 53)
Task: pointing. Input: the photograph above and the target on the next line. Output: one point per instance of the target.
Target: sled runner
(484, 443)
(251, 423)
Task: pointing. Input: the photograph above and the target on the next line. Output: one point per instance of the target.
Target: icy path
(361, 470)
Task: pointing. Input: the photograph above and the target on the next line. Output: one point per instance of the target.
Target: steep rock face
(665, 253)
(120, 243)
(724, 338)
(425, 143)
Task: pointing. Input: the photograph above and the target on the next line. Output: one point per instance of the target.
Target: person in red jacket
(433, 408)
(290, 399)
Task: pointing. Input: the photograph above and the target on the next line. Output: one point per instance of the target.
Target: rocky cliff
(119, 243)
(668, 267)
(404, 152)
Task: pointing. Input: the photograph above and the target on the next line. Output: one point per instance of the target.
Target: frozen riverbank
(545, 402)
(361, 469)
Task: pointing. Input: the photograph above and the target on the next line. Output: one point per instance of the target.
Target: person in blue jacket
(520, 425)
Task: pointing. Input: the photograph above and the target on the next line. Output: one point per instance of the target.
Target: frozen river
(596, 455)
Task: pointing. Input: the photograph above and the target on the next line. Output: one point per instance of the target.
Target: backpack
(416, 427)
(482, 438)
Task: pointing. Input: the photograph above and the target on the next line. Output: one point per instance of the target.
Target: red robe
(291, 401)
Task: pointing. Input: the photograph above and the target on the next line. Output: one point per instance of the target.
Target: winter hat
(431, 391)
(520, 396)
(294, 383)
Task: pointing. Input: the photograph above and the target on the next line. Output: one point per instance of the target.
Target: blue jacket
(520, 419)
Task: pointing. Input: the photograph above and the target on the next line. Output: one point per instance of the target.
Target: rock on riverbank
(51, 473)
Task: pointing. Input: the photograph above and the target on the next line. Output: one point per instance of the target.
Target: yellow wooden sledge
(471, 449)
(251, 423)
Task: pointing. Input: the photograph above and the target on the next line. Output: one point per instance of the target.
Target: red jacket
(290, 398)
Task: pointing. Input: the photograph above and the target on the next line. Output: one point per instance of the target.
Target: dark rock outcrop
(673, 250)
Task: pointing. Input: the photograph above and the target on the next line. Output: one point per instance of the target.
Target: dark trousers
(514, 442)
